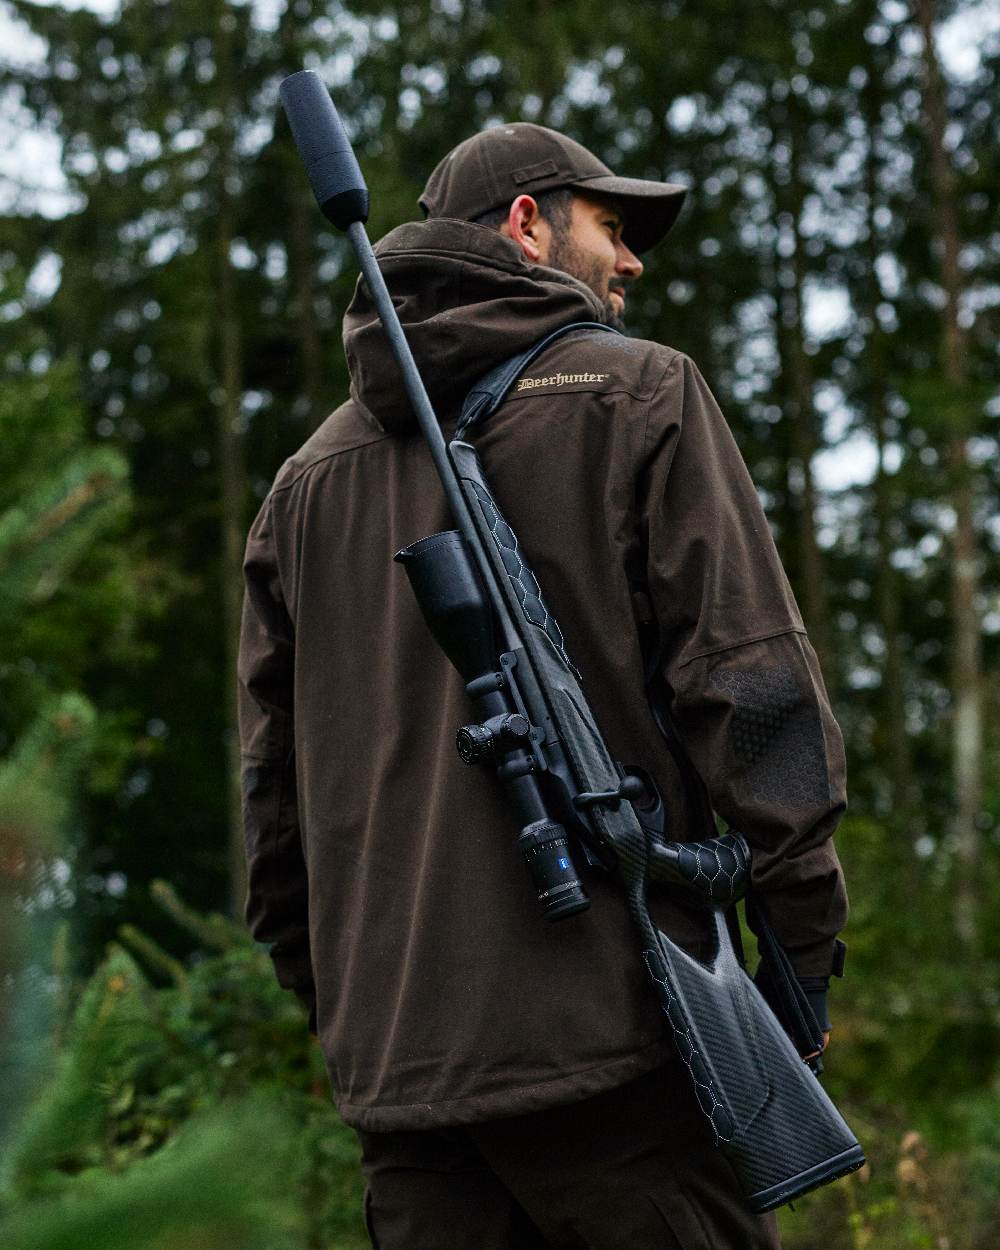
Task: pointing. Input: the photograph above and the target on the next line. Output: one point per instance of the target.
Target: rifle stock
(767, 1110)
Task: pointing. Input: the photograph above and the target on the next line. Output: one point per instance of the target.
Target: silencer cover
(326, 151)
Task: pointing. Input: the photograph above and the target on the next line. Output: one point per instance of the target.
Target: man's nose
(627, 263)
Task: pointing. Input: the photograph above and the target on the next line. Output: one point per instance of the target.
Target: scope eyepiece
(476, 743)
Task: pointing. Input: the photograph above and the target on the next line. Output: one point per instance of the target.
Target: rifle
(483, 605)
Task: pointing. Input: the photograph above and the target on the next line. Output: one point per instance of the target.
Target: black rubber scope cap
(333, 169)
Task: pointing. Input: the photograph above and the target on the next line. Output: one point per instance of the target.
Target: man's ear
(526, 226)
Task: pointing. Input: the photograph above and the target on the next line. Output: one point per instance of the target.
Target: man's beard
(567, 257)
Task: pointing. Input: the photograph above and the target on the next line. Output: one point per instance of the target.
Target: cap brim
(650, 208)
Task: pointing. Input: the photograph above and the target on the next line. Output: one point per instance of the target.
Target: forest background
(170, 302)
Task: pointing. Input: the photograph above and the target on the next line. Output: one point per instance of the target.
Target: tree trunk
(301, 253)
(967, 730)
(546, 66)
(800, 413)
(229, 441)
(890, 739)
(302, 274)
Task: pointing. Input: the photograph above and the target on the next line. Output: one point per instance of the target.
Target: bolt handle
(334, 172)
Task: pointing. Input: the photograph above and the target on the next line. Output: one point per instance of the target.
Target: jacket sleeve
(278, 887)
(745, 688)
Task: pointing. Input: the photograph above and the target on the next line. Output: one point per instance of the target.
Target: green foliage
(914, 1043)
(979, 1118)
(112, 1029)
(143, 1123)
(36, 776)
(67, 508)
(908, 1195)
(67, 601)
(205, 1190)
(67, 595)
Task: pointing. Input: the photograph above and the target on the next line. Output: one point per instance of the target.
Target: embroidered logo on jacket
(559, 379)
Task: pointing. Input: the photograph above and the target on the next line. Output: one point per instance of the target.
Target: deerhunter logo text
(559, 379)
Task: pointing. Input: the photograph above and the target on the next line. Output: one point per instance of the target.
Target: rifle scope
(447, 571)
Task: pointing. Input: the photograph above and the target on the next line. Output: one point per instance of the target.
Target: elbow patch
(775, 736)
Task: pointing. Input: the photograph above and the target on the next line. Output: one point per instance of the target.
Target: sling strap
(490, 392)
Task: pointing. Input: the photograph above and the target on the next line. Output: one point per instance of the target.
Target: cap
(493, 168)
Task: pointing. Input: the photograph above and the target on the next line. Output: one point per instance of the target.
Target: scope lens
(545, 848)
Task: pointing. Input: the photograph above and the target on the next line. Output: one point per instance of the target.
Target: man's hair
(555, 206)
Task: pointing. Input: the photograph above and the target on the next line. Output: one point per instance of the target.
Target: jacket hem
(447, 1113)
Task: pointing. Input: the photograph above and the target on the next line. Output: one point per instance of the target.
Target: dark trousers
(634, 1168)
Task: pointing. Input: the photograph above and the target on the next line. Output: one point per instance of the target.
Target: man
(512, 1082)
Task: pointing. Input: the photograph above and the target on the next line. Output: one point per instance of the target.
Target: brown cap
(493, 168)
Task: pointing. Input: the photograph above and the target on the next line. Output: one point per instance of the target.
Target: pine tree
(61, 501)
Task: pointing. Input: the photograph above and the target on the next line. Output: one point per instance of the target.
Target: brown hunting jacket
(384, 874)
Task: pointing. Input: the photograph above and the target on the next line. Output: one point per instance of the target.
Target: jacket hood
(468, 300)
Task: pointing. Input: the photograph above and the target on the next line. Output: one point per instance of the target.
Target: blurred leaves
(204, 1191)
(185, 1114)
